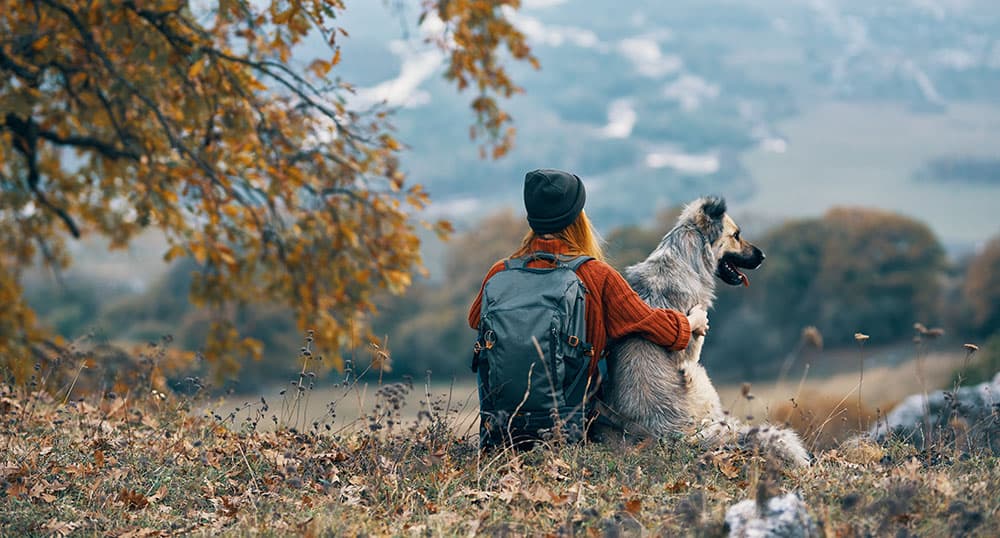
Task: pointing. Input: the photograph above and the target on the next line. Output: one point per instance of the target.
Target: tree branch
(94, 48)
(26, 143)
(104, 148)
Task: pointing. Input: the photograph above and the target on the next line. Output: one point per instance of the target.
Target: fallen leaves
(728, 463)
(190, 476)
(633, 506)
(144, 532)
(677, 486)
(60, 528)
(132, 499)
(40, 490)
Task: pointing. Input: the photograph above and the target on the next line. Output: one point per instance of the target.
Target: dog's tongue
(744, 278)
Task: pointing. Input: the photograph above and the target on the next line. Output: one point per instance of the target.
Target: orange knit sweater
(614, 310)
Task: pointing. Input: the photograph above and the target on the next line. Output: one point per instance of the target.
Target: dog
(652, 391)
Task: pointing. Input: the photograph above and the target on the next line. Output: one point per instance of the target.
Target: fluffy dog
(653, 391)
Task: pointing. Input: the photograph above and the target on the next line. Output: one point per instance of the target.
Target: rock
(969, 417)
(782, 517)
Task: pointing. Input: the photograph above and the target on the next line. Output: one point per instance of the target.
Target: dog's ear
(714, 207)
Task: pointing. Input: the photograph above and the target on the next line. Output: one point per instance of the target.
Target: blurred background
(856, 141)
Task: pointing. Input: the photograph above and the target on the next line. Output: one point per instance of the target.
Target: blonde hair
(580, 237)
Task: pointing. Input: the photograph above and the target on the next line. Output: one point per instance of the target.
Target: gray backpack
(526, 390)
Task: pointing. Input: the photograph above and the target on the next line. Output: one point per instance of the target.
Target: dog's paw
(778, 443)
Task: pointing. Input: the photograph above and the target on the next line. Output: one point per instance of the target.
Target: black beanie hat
(553, 199)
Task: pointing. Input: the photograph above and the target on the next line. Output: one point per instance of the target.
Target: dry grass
(883, 385)
(823, 421)
(150, 464)
(826, 411)
(353, 403)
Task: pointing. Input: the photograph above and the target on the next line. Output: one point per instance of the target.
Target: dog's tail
(773, 443)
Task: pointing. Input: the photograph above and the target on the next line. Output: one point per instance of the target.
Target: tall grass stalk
(861, 338)
(83, 364)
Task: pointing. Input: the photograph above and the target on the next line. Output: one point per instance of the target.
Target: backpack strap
(515, 263)
(573, 263)
(576, 262)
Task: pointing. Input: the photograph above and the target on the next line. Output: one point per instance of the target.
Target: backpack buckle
(573, 341)
(489, 338)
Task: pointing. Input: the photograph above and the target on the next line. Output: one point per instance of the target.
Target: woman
(554, 201)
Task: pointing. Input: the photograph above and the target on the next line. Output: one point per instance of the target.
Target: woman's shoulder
(597, 269)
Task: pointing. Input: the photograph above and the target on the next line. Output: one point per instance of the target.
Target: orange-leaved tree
(119, 115)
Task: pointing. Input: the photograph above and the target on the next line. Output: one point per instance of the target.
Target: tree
(117, 116)
(881, 272)
(982, 288)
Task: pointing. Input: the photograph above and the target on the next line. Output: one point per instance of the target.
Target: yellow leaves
(349, 234)
(199, 252)
(226, 255)
(390, 143)
(41, 43)
(321, 68)
(444, 229)
(397, 281)
(478, 31)
(254, 347)
(278, 45)
(196, 68)
(283, 17)
(231, 170)
(232, 211)
(168, 196)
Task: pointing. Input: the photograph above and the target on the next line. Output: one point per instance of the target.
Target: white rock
(783, 517)
(976, 408)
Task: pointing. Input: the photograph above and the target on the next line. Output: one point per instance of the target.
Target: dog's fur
(653, 391)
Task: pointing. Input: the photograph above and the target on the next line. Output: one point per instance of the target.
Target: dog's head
(729, 250)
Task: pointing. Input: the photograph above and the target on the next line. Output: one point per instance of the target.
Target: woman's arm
(626, 313)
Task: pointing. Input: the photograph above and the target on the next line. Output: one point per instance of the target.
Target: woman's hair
(580, 239)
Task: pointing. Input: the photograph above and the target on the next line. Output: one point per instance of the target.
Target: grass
(150, 463)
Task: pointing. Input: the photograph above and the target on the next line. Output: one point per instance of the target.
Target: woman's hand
(698, 320)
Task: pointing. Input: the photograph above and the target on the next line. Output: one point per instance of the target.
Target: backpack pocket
(518, 375)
